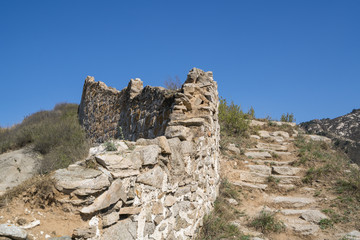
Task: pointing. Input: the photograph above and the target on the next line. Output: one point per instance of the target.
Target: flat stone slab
(250, 185)
(255, 177)
(111, 196)
(289, 212)
(154, 177)
(12, 231)
(123, 230)
(314, 216)
(271, 162)
(255, 137)
(232, 148)
(286, 170)
(354, 235)
(274, 147)
(80, 180)
(318, 138)
(305, 229)
(281, 134)
(264, 134)
(258, 155)
(260, 169)
(293, 201)
(117, 161)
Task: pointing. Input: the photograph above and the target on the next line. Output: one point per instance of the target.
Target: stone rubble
(164, 178)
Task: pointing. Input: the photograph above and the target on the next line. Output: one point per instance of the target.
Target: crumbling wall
(135, 112)
(159, 187)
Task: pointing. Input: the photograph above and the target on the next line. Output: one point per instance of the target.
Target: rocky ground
(343, 130)
(270, 183)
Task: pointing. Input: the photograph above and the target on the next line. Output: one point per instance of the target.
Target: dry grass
(217, 225)
(56, 134)
(41, 186)
(333, 169)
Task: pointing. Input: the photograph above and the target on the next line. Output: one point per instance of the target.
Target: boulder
(12, 231)
(153, 177)
(232, 148)
(111, 196)
(81, 180)
(123, 230)
(314, 216)
(115, 162)
(110, 219)
(16, 167)
(84, 233)
(177, 131)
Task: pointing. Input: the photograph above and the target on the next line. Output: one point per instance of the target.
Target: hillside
(176, 164)
(281, 184)
(343, 130)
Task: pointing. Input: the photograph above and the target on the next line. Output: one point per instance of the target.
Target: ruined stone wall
(139, 112)
(159, 187)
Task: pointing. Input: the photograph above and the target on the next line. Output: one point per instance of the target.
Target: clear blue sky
(277, 56)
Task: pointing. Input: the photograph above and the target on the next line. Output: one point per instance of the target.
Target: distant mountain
(344, 131)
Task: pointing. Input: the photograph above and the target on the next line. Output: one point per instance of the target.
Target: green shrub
(287, 117)
(232, 119)
(110, 146)
(325, 223)
(56, 134)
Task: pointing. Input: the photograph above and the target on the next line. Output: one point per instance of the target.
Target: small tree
(287, 117)
(173, 84)
(232, 118)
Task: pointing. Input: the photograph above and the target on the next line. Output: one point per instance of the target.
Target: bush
(110, 146)
(287, 117)
(232, 119)
(56, 134)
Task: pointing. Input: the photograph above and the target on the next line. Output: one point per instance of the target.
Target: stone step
(271, 162)
(260, 169)
(250, 185)
(295, 202)
(258, 155)
(286, 186)
(309, 215)
(301, 227)
(286, 170)
(281, 153)
(274, 147)
(255, 177)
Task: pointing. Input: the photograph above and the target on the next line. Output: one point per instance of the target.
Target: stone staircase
(270, 182)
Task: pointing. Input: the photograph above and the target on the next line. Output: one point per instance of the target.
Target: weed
(325, 223)
(271, 179)
(267, 222)
(274, 155)
(110, 146)
(217, 225)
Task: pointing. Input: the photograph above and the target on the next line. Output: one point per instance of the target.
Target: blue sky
(277, 56)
